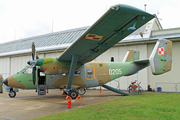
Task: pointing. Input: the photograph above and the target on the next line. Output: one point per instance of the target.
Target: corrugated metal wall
(5, 66)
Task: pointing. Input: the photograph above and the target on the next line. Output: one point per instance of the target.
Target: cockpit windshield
(26, 70)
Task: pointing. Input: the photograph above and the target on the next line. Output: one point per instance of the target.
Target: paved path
(27, 105)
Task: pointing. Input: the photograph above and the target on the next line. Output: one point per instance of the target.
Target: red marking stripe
(91, 36)
(94, 37)
(45, 68)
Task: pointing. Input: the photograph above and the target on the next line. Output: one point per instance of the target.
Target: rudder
(161, 57)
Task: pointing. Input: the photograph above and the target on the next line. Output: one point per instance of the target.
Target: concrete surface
(27, 105)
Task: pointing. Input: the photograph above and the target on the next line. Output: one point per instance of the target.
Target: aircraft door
(101, 73)
(90, 72)
(41, 78)
(41, 89)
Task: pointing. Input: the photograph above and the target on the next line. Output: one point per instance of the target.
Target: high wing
(117, 23)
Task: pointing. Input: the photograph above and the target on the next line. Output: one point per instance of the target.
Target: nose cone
(5, 81)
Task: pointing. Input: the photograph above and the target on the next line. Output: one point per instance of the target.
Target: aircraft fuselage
(88, 75)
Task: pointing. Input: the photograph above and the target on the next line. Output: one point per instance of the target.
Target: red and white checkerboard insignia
(160, 51)
(94, 37)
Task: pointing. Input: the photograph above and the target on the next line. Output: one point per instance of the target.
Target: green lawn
(149, 106)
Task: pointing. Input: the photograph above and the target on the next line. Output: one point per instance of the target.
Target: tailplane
(161, 57)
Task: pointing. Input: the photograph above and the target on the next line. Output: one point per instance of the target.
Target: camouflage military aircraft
(74, 68)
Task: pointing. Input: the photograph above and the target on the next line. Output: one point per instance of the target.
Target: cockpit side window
(28, 70)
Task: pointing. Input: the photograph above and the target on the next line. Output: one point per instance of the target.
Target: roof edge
(39, 49)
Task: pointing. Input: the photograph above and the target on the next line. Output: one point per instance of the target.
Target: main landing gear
(74, 93)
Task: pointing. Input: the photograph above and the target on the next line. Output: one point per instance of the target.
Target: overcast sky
(26, 18)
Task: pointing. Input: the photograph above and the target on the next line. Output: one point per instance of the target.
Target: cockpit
(26, 70)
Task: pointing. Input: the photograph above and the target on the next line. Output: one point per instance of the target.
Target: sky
(26, 18)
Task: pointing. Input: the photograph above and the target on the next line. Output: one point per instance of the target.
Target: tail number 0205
(115, 72)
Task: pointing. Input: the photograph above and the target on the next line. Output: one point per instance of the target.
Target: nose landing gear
(12, 93)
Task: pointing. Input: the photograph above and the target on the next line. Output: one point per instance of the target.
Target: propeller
(33, 51)
(34, 75)
(33, 63)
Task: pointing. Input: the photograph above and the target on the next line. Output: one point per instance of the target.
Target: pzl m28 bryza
(74, 70)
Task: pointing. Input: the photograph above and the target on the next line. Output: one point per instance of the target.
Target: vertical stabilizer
(131, 55)
(161, 57)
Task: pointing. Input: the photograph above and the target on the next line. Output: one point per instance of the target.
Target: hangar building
(15, 54)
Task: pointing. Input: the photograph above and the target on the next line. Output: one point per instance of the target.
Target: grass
(149, 106)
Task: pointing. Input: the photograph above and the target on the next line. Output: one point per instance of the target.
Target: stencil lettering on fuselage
(115, 71)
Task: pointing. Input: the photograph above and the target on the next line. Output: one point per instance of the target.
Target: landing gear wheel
(73, 94)
(12, 93)
(82, 91)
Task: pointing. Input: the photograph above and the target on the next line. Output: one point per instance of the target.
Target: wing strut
(71, 72)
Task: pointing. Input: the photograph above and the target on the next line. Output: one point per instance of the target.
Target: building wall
(5, 66)
(169, 81)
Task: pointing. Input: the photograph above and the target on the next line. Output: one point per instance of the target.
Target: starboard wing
(117, 23)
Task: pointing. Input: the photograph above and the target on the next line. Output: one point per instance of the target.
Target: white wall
(169, 81)
(52, 54)
(17, 63)
(4, 66)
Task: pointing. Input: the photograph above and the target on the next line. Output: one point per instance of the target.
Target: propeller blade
(33, 51)
(34, 75)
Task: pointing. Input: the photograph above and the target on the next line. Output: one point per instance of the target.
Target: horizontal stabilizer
(142, 61)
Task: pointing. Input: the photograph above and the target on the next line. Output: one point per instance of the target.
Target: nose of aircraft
(5, 81)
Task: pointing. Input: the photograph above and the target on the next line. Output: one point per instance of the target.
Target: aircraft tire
(73, 94)
(12, 94)
(82, 91)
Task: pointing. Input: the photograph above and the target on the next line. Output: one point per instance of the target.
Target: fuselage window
(90, 72)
